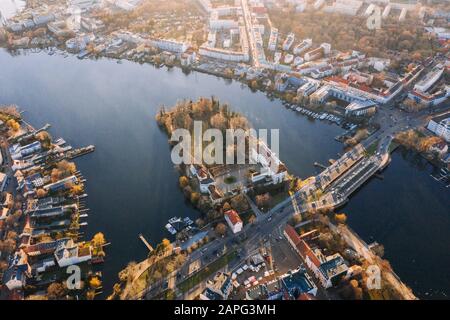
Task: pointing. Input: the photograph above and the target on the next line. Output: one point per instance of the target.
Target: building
(271, 290)
(302, 46)
(219, 288)
(287, 44)
(272, 170)
(328, 269)
(3, 179)
(430, 99)
(18, 152)
(169, 45)
(297, 282)
(61, 184)
(43, 20)
(70, 253)
(360, 108)
(217, 23)
(59, 28)
(127, 5)
(203, 176)
(273, 39)
(15, 277)
(188, 58)
(234, 221)
(348, 7)
(430, 79)
(440, 126)
(318, 53)
(308, 88)
(83, 4)
(208, 49)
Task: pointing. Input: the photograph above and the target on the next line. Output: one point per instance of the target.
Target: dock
(150, 248)
(317, 164)
(80, 152)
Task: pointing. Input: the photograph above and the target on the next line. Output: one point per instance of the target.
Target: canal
(132, 184)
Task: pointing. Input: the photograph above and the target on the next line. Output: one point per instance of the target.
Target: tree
(95, 283)
(56, 291)
(13, 125)
(200, 222)
(263, 200)
(76, 189)
(195, 196)
(90, 295)
(295, 219)
(221, 229)
(239, 203)
(41, 193)
(252, 219)
(44, 138)
(226, 207)
(99, 239)
(340, 218)
(184, 182)
(165, 242)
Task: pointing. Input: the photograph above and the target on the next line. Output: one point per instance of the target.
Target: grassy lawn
(229, 180)
(204, 273)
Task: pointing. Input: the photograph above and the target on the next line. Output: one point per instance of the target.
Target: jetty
(150, 248)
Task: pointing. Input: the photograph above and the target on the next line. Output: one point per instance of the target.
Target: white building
(170, 45)
(440, 126)
(70, 253)
(233, 220)
(273, 39)
(83, 4)
(287, 44)
(272, 169)
(348, 7)
(430, 79)
(302, 46)
(360, 108)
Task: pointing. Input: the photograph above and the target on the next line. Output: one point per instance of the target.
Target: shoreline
(52, 214)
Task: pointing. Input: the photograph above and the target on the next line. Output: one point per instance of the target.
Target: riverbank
(44, 211)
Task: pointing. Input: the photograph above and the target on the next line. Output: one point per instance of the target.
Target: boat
(298, 109)
(188, 221)
(174, 220)
(171, 229)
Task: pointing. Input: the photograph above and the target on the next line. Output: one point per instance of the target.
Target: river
(132, 184)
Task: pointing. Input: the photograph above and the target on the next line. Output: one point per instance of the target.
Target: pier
(72, 154)
(149, 247)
